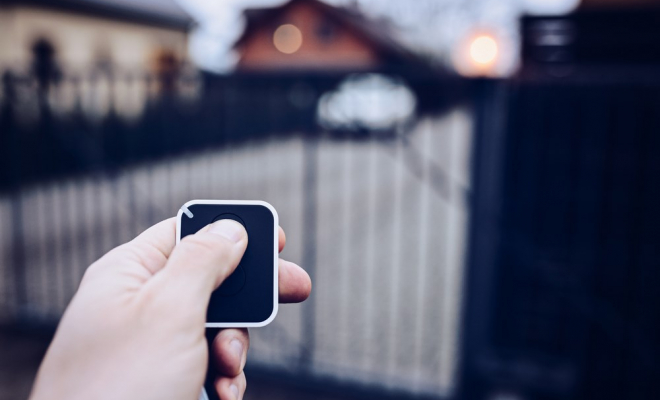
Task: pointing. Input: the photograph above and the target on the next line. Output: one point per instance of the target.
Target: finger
(295, 284)
(229, 351)
(231, 388)
(155, 245)
(161, 236)
(148, 252)
(200, 262)
(281, 238)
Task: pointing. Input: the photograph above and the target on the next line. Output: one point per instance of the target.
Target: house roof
(379, 33)
(164, 13)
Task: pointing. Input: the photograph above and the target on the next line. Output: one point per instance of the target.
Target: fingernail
(234, 389)
(237, 348)
(229, 229)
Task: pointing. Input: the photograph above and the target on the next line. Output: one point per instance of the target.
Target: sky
(432, 27)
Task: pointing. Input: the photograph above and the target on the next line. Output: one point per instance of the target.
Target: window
(325, 31)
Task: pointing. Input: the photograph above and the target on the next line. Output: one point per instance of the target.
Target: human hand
(229, 346)
(135, 328)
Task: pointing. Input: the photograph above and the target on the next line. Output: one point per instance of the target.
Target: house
(314, 36)
(127, 34)
(600, 35)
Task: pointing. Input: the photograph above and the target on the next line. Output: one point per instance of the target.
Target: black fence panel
(222, 111)
(563, 275)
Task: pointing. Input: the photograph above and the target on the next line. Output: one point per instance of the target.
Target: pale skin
(135, 328)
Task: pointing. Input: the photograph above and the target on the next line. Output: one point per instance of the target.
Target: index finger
(281, 238)
(151, 249)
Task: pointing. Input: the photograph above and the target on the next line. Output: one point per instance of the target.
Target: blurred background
(471, 184)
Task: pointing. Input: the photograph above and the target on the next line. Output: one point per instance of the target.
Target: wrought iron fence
(376, 213)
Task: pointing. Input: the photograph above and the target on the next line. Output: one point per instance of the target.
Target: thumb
(201, 262)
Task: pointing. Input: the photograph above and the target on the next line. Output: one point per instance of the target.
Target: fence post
(12, 164)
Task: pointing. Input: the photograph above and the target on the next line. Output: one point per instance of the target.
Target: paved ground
(22, 352)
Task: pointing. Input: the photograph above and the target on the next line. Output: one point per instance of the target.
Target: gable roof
(379, 34)
(163, 13)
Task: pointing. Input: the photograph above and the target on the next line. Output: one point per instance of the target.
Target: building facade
(311, 35)
(87, 33)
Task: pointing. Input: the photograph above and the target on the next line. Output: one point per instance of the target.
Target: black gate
(563, 297)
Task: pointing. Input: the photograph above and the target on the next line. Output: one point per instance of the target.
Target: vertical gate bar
(310, 214)
(18, 252)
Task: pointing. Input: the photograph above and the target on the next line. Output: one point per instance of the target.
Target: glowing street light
(483, 50)
(479, 54)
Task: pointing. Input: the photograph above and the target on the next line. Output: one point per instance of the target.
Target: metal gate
(377, 216)
(563, 277)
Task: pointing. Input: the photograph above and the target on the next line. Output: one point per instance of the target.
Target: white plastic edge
(275, 257)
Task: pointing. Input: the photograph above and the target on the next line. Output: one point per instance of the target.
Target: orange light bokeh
(287, 38)
(483, 50)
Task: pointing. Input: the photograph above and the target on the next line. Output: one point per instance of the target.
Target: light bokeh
(483, 50)
(287, 38)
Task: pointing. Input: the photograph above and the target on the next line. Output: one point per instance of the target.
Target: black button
(234, 282)
(233, 217)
